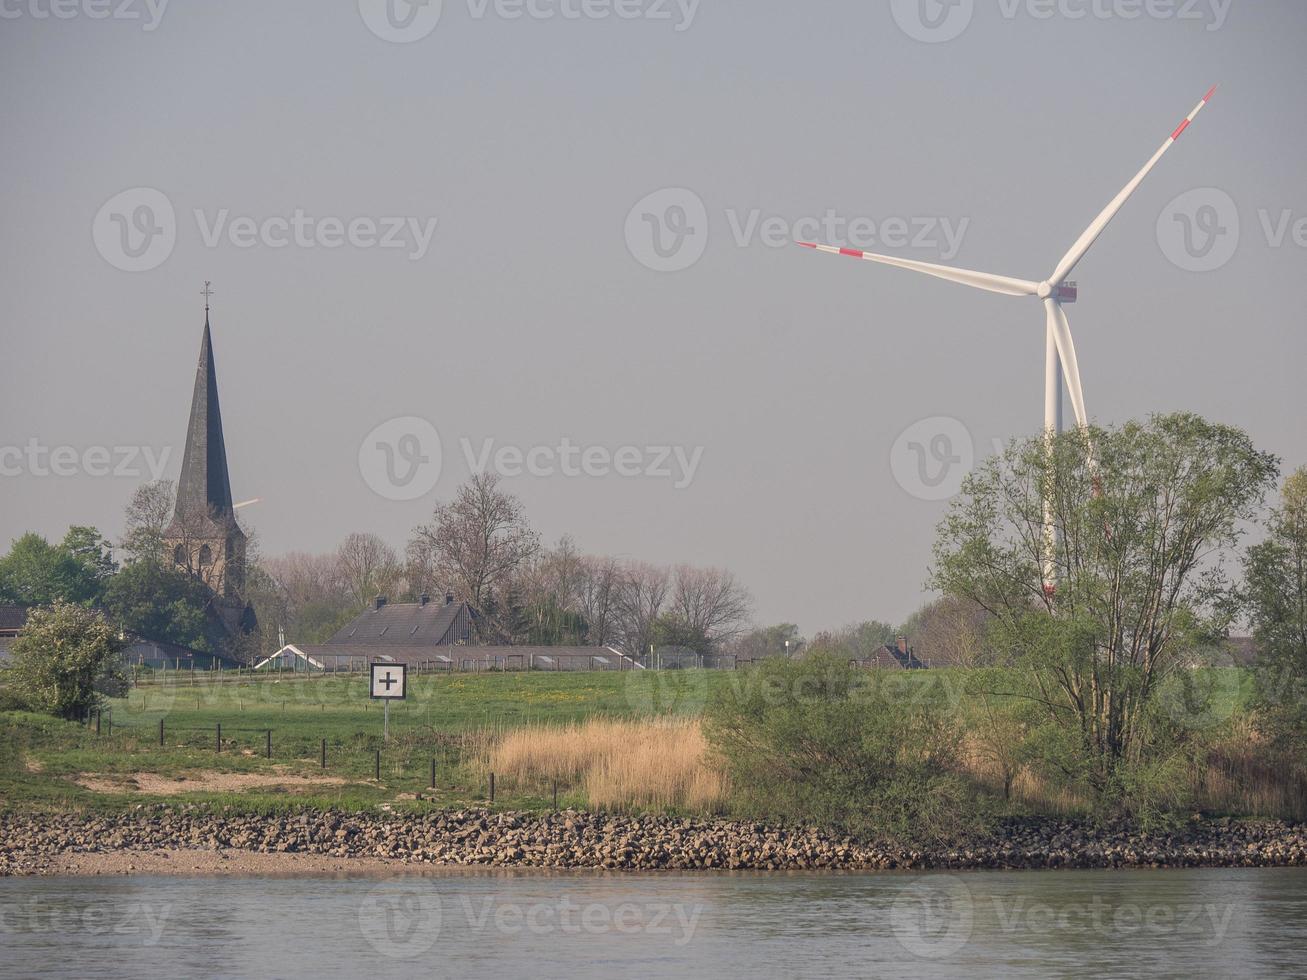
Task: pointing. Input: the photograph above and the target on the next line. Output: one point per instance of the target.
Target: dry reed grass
(656, 763)
(665, 763)
(1243, 775)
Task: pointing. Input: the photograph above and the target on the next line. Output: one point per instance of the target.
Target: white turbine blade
(1060, 328)
(1078, 250)
(979, 280)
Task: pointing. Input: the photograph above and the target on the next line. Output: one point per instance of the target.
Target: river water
(1201, 923)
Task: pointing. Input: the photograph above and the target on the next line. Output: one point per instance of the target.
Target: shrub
(63, 660)
(818, 741)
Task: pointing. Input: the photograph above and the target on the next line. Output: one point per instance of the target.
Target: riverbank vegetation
(1088, 593)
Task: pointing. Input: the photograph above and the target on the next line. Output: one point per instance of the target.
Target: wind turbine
(1055, 292)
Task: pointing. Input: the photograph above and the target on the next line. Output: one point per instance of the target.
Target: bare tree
(367, 566)
(305, 578)
(146, 517)
(710, 602)
(598, 594)
(641, 597)
(949, 632)
(475, 544)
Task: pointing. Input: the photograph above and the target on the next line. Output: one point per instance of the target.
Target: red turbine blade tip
(1210, 92)
(805, 244)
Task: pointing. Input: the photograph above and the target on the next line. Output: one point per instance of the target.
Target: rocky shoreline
(34, 844)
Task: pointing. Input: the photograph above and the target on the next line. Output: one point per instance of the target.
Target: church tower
(204, 539)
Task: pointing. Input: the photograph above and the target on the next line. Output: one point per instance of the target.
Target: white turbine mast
(1055, 292)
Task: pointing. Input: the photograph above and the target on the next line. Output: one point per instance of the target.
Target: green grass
(337, 705)
(445, 718)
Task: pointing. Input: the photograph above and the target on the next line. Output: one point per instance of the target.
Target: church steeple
(205, 486)
(204, 538)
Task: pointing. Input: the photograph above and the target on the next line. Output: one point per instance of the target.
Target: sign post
(389, 682)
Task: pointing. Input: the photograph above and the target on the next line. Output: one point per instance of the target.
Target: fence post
(555, 794)
(97, 721)
(268, 745)
(218, 742)
(433, 773)
(378, 765)
(492, 789)
(160, 733)
(109, 730)
(324, 753)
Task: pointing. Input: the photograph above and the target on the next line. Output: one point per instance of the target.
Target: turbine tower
(1055, 292)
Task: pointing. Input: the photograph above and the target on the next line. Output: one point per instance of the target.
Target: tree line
(478, 547)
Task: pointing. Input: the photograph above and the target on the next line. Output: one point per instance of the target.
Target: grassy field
(602, 739)
(451, 720)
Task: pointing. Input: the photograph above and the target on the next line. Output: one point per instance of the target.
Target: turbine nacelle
(1063, 292)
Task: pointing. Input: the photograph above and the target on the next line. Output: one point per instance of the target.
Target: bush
(62, 661)
(818, 741)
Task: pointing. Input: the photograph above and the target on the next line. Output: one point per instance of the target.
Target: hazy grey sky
(532, 315)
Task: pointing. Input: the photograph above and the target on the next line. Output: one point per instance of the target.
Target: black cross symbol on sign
(389, 681)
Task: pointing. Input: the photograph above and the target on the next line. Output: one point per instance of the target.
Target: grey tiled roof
(400, 624)
(12, 617)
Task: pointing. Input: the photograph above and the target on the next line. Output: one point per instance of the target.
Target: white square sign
(389, 682)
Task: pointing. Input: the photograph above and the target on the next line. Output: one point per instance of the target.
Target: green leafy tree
(1275, 575)
(1144, 514)
(92, 551)
(63, 660)
(37, 573)
(162, 604)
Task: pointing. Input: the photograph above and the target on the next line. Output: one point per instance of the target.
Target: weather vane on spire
(207, 292)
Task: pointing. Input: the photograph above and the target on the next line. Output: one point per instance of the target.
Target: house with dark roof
(12, 620)
(408, 624)
(893, 656)
(428, 636)
(412, 632)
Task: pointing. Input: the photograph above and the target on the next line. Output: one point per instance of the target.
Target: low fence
(354, 758)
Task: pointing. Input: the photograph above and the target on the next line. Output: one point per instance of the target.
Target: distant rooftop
(408, 624)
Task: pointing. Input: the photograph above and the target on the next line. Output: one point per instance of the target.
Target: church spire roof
(204, 489)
